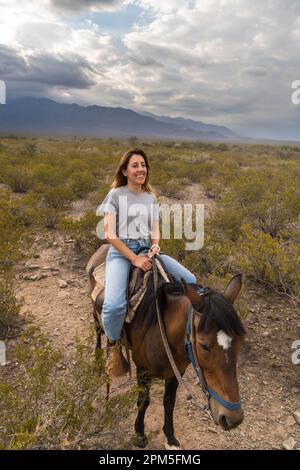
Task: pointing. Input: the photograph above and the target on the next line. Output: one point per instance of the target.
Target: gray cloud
(11, 63)
(77, 5)
(254, 72)
(143, 61)
(70, 72)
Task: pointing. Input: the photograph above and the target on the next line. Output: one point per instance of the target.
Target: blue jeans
(116, 279)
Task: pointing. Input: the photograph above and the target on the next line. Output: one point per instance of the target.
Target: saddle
(136, 288)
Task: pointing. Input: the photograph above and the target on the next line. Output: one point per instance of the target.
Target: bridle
(190, 349)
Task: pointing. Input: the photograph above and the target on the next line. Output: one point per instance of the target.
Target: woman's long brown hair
(121, 180)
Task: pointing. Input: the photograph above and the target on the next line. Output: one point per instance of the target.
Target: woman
(131, 223)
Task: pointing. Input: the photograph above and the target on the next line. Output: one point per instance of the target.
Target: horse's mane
(218, 312)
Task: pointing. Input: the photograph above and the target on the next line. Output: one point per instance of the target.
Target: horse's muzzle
(228, 422)
(227, 419)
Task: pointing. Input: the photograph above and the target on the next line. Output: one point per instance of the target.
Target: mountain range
(47, 117)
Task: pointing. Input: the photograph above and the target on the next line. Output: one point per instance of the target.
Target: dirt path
(54, 290)
(53, 286)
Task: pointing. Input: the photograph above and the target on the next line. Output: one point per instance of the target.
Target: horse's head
(218, 336)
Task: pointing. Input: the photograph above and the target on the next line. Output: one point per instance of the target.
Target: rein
(177, 374)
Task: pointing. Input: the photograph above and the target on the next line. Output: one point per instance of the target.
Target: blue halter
(209, 392)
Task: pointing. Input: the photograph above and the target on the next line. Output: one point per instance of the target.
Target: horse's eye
(205, 347)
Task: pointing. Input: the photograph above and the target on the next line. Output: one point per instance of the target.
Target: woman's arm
(155, 234)
(155, 237)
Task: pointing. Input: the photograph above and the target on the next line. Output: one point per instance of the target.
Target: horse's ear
(195, 299)
(233, 288)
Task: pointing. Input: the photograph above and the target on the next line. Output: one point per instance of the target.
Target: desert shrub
(82, 231)
(277, 209)
(196, 158)
(99, 194)
(13, 236)
(46, 175)
(159, 157)
(30, 148)
(9, 306)
(133, 141)
(287, 151)
(172, 189)
(270, 203)
(217, 257)
(82, 183)
(213, 187)
(18, 178)
(50, 217)
(174, 247)
(228, 221)
(269, 262)
(14, 241)
(26, 210)
(58, 197)
(162, 179)
(42, 408)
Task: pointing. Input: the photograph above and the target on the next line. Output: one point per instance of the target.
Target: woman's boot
(118, 366)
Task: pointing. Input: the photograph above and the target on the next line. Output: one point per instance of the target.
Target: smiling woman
(131, 225)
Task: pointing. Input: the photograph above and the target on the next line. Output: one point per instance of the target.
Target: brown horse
(218, 335)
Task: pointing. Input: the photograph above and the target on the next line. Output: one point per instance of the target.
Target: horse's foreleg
(171, 386)
(99, 332)
(98, 336)
(143, 401)
(98, 349)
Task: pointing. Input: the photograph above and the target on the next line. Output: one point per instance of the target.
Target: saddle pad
(99, 276)
(136, 298)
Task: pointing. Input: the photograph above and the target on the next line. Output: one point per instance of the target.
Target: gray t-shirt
(135, 212)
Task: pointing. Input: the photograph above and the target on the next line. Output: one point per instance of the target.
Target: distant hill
(195, 125)
(45, 116)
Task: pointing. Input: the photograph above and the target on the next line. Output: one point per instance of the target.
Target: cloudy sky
(228, 62)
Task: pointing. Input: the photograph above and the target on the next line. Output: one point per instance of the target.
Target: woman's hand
(142, 262)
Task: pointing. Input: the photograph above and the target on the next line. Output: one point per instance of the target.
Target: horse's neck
(176, 316)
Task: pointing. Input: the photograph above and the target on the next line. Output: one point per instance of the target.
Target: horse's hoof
(174, 446)
(140, 441)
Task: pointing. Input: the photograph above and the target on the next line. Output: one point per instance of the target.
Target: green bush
(82, 183)
(82, 231)
(9, 305)
(19, 179)
(58, 197)
(13, 236)
(269, 202)
(99, 194)
(228, 221)
(26, 210)
(30, 149)
(41, 407)
(50, 217)
(270, 262)
(46, 175)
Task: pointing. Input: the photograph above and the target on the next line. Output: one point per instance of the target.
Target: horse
(217, 339)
